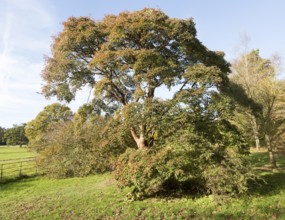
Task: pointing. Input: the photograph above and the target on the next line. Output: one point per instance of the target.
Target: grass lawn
(260, 159)
(16, 161)
(97, 197)
(15, 152)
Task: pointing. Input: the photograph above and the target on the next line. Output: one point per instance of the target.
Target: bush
(190, 162)
(66, 154)
(149, 172)
(92, 147)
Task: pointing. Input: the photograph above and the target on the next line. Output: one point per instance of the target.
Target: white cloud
(25, 27)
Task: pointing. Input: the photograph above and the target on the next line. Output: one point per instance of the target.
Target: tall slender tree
(258, 78)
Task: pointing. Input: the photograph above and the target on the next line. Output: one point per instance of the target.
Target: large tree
(126, 58)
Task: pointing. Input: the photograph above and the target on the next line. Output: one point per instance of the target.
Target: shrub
(189, 162)
(66, 154)
(70, 150)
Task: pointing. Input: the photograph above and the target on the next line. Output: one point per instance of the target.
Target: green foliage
(257, 76)
(73, 149)
(125, 59)
(2, 139)
(63, 155)
(16, 135)
(131, 54)
(205, 154)
(166, 171)
(174, 169)
(46, 121)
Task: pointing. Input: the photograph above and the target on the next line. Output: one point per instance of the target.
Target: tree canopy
(125, 58)
(46, 120)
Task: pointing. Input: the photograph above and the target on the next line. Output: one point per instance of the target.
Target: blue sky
(27, 27)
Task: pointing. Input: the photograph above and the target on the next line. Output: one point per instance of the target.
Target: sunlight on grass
(15, 152)
(98, 197)
(16, 162)
(260, 160)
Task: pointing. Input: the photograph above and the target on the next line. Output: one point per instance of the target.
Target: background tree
(248, 70)
(125, 58)
(272, 98)
(246, 109)
(2, 131)
(16, 135)
(45, 121)
(88, 144)
(257, 76)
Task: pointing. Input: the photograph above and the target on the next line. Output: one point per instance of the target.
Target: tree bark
(270, 152)
(255, 132)
(257, 142)
(139, 139)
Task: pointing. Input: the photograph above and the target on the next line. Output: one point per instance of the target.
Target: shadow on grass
(270, 183)
(17, 183)
(261, 159)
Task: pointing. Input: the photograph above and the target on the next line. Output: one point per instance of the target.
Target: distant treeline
(13, 136)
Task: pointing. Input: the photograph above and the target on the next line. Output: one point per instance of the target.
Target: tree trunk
(270, 152)
(255, 132)
(257, 142)
(139, 139)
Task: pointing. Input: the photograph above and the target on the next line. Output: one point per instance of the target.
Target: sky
(27, 28)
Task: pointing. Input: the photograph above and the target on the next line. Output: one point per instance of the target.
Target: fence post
(24, 168)
(20, 170)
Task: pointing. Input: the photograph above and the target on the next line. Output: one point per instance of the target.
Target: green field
(98, 197)
(15, 152)
(16, 162)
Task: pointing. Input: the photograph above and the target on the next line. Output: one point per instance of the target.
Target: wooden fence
(17, 168)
